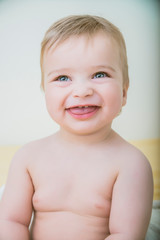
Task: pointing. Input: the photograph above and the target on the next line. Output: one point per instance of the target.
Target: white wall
(23, 116)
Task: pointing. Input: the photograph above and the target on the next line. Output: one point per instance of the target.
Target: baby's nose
(82, 90)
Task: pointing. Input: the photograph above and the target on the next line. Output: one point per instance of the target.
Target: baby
(84, 182)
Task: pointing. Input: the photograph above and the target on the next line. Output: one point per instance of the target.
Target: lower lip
(83, 116)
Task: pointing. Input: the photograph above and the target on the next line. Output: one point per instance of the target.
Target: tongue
(83, 110)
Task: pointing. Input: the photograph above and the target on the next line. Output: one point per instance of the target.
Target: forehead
(98, 47)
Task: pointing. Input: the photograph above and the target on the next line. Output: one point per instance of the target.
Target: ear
(125, 90)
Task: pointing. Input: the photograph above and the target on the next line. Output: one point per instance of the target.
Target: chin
(84, 130)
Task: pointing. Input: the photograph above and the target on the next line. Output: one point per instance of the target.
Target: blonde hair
(88, 25)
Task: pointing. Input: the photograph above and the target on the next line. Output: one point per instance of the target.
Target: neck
(93, 138)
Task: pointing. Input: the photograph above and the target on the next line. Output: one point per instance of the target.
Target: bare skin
(72, 189)
(84, 182)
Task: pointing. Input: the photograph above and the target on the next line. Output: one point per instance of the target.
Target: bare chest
(82, 187)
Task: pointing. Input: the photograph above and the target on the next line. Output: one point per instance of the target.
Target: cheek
(113, 98)
(51, 102)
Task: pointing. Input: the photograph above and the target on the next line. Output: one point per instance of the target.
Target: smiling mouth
(83, 112)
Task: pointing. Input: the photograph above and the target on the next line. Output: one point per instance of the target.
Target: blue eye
(62, 79)
(100, 75)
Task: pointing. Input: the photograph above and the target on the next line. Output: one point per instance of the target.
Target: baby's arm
(131, 200)
(16, 202)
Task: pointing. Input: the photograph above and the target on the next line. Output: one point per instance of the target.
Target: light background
(23, 116)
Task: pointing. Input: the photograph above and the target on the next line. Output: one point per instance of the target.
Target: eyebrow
(92, 67)
(105, 66)
(58, 70)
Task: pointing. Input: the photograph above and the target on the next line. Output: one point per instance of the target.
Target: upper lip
(82, 105)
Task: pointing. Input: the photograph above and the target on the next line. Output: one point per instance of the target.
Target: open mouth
(82, 112)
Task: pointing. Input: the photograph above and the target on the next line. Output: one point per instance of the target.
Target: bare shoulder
(30, 151)
(135, 167)
(131, 156)
(132, 163)
(136, 159)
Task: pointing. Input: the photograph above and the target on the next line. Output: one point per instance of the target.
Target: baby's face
(83, 83)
